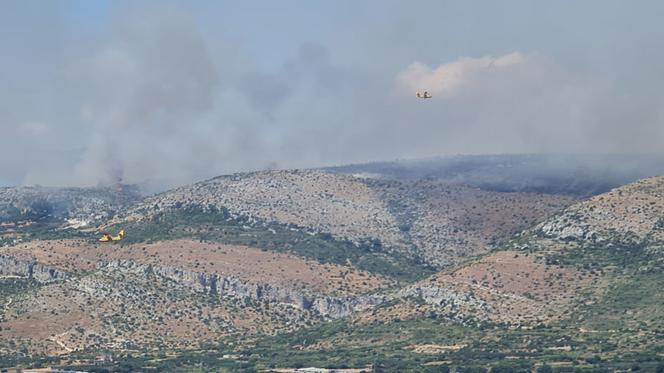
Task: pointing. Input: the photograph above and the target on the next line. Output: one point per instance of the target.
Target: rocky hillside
(440, 223)
(447, 223)
(338, 204)
(634, 211)
(582, 288)
(85, 296)
(240, 268)
(566, 265)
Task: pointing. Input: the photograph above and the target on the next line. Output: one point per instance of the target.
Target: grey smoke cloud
(156, 98)
(155, 82)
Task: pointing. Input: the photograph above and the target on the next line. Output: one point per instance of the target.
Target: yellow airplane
(106, 237)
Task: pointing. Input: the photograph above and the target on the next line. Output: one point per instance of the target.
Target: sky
(171, 92)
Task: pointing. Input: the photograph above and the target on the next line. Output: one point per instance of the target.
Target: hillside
(320, 202)
(588, 257)
(72, 295)
(448, 223)
(253, 274)
(439, 223)
(580, 290)
(633, 212)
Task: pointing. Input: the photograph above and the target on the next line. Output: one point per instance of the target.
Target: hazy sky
(173, 92)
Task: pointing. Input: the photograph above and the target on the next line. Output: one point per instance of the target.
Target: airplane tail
(122, 233)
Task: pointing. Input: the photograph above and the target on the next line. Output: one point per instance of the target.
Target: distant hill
(577, 175)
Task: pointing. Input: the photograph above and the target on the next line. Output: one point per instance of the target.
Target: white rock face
(12, 267)
(440, 296)
(563, 230)
(232, 287)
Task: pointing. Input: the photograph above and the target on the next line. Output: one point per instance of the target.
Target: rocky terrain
(582, 288)
(634, 211)
(569, 261)
(321, 202)
(82, 290)
(306, 259)
(448, 223)
(506, 287)
(441, 223)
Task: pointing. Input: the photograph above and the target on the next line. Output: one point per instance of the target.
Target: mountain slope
(436, 222)
(336, 204)
(137, 296)
(579, 289)
(449, 223)
(591, 261)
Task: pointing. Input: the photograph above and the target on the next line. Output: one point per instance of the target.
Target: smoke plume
(159, 95)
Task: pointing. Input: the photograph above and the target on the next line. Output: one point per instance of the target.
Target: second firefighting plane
(424, 94)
